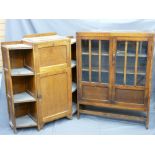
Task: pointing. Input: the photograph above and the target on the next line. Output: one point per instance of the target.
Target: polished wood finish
(38, 81)
(133, 92)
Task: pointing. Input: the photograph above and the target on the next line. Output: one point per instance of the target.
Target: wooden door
(54, 80)
(132, 63)
(94, 63)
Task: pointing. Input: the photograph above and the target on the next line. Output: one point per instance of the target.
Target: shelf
(74, 87)
(73, 63)
(23, 97)
(18, 46)
(21, 72)
(96, 53)
(95, 69)
(25, 121)
(129, 71)
(121, 54)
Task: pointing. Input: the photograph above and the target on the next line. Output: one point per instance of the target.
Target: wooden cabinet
(38, 80)
(114, 74)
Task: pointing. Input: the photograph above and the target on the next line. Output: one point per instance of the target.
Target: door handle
(39, 97)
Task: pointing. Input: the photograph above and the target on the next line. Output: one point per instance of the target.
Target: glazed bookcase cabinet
(114, 74)
(38, 81)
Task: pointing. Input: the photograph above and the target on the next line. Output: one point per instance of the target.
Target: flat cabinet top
(17, 46)
(115, 34)
(41, 39)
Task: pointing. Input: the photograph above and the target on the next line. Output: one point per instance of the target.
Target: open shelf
(74, 87)
(18, 46)
(23, 97)
(21, 72)
(25, 121)
(73, 63)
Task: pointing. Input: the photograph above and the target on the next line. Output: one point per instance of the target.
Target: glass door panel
(120, 59)
(142, 62)
(85, 60)
(131, 60)
(95, 60)
(105, 61)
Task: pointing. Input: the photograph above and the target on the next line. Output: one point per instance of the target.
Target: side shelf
(23, 97)
(25, 121)
(21, 72)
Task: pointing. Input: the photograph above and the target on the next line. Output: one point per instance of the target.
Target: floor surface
(86, 125)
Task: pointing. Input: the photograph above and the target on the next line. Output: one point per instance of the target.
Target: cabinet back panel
(22, 84)
(21, 58)
(21, 109)
(94, 92)
(52, 55)
(129, 96)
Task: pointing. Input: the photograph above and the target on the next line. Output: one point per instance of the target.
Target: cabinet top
(116, 34)
(40, 39)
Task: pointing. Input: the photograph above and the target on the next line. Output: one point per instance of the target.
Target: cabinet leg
(70, 117)
(147, 121)
(14, 130)
(78, 111)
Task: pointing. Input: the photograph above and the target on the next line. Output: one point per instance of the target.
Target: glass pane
(120, 52)
(130, 79)
(94, 62)
(141, 80)
(119, 79)
(105, 63)
(95, 68)
(120, 48)
(142, 62)
(142, 65)
(85, 46)
(85, 61)
(85, 76)
(105, 77)
(131, 50)
(130, 65)
(105, 46)
(94, 76)
(95, 46)
(143, 48)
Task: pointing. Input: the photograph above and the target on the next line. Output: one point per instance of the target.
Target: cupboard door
(53, 63)
(95, 68)
(130, 71)
(54, 95)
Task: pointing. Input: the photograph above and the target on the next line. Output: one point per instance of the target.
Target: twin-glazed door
(113, 70)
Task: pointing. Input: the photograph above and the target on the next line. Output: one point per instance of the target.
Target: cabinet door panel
(94, 93)
(95, 67)
(131, 62)
(55, 55)
(57, 101)
(130, 70)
